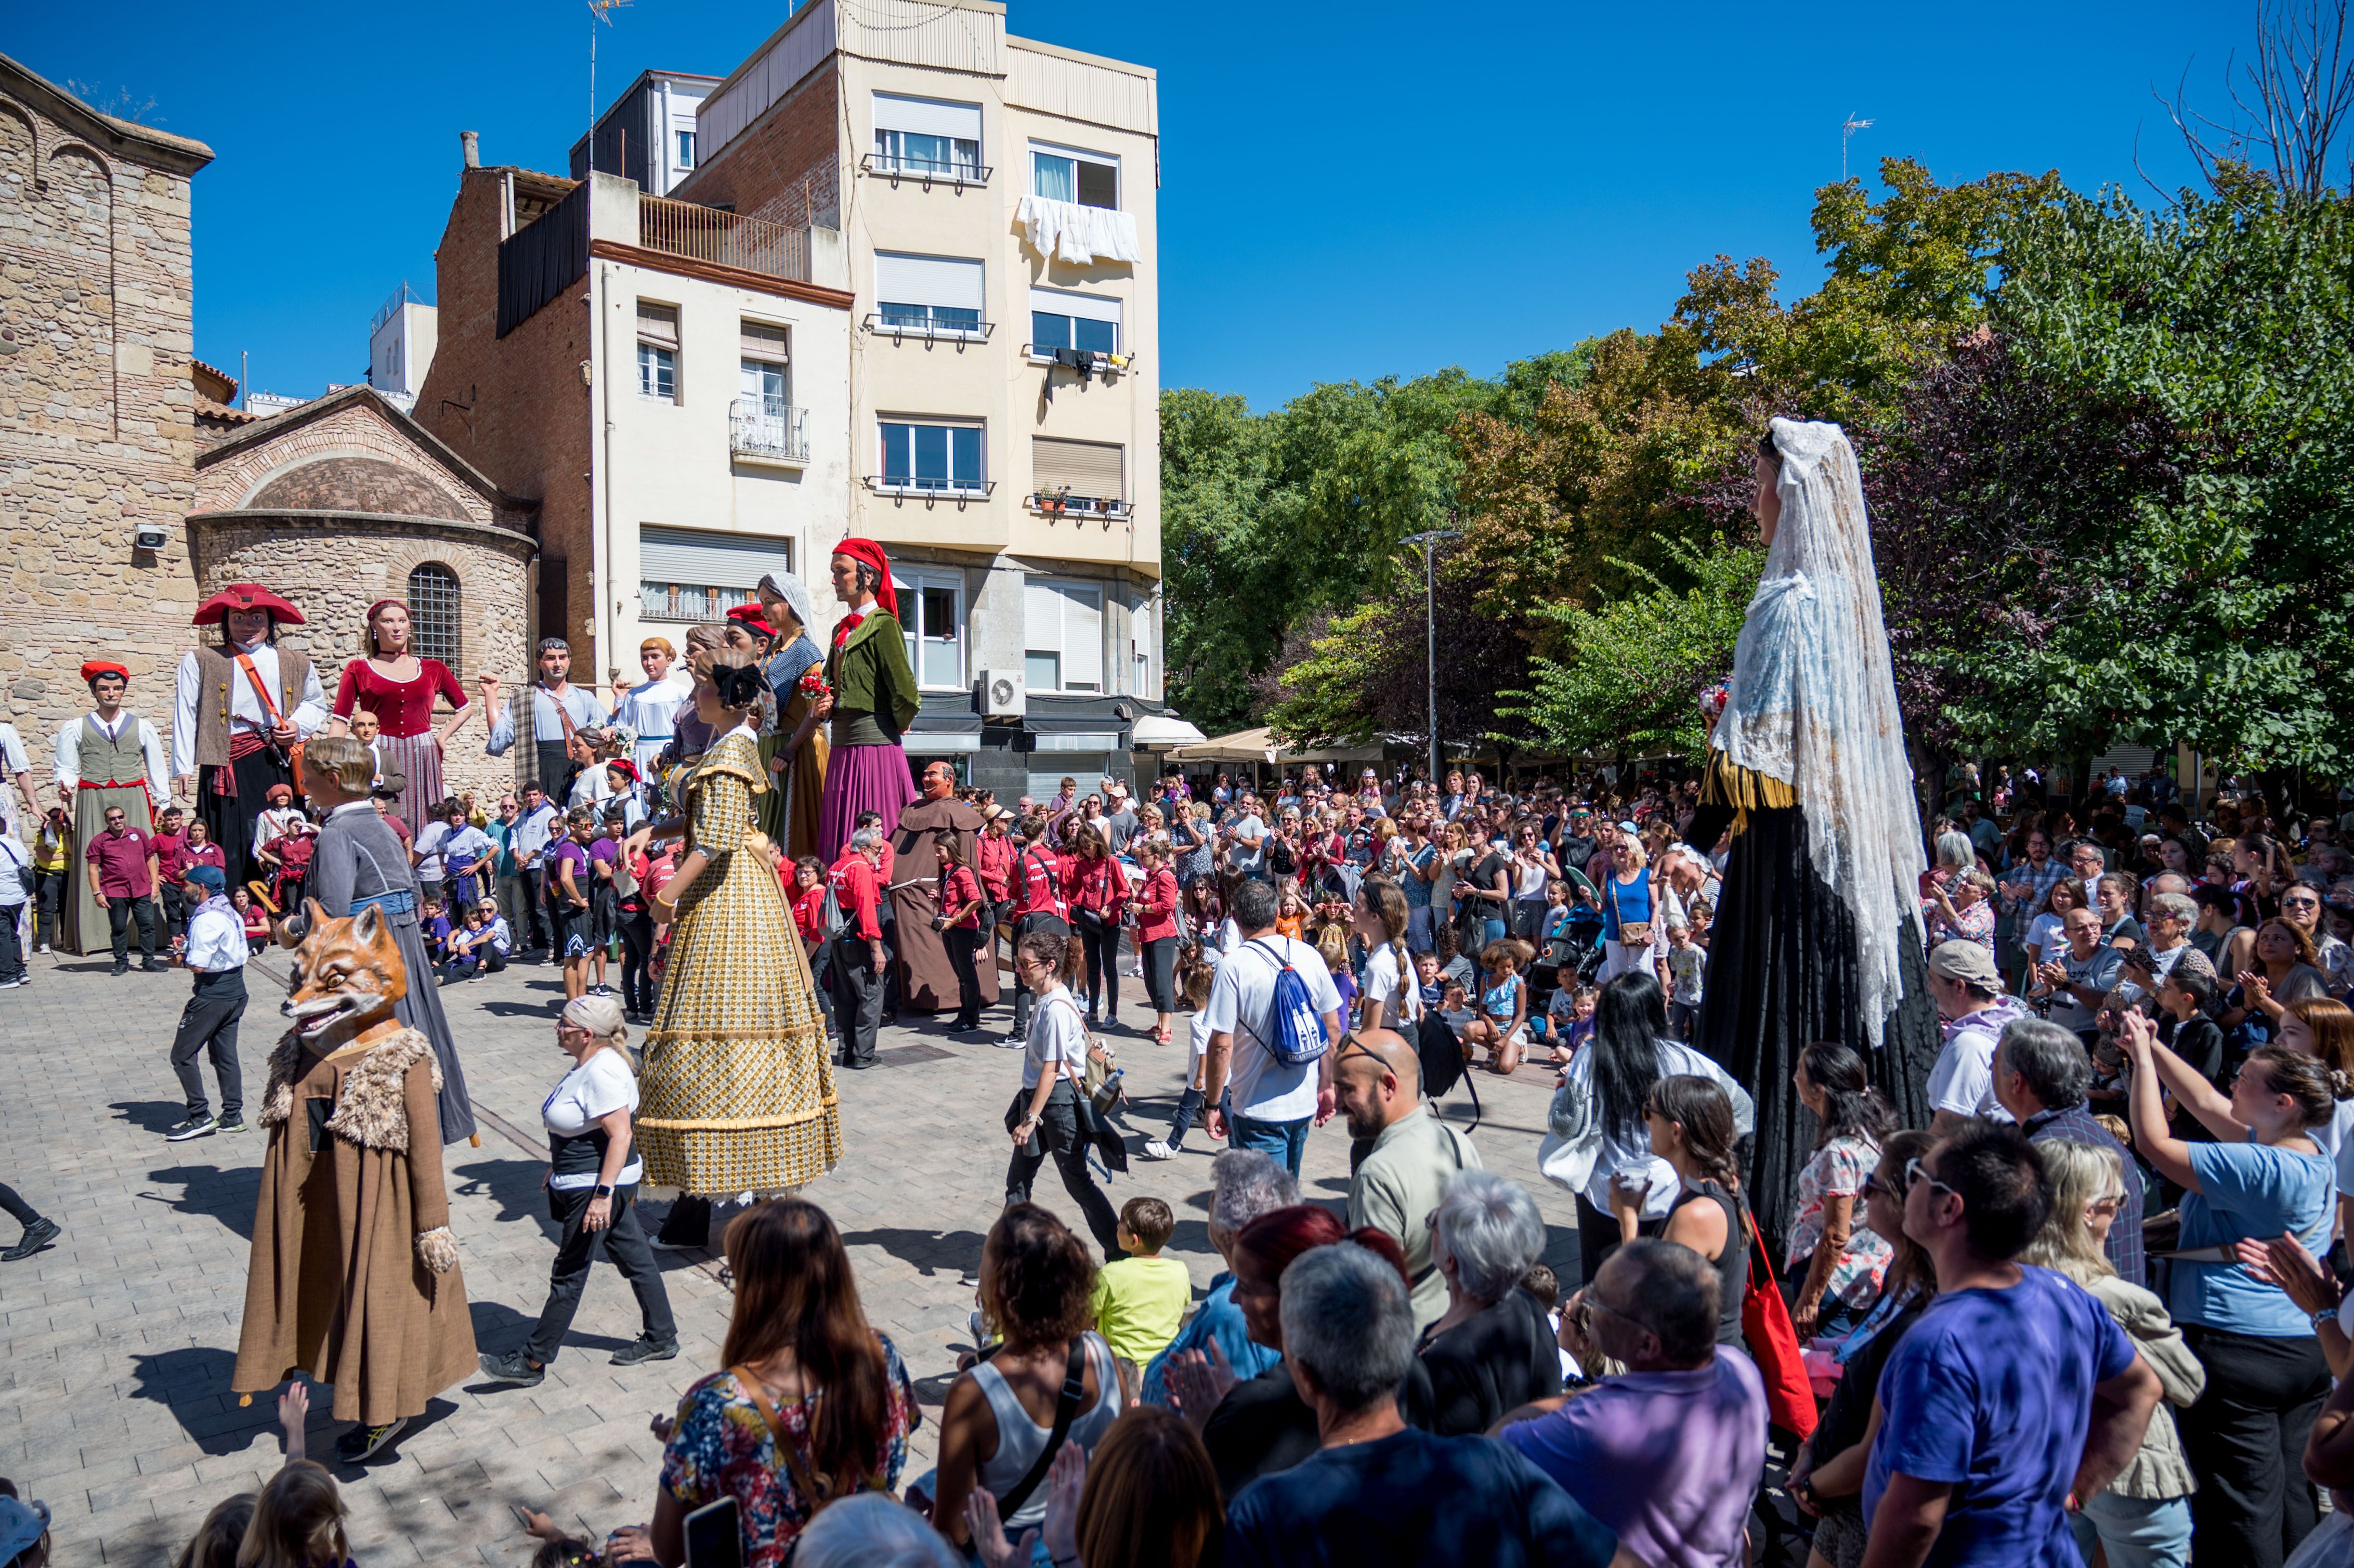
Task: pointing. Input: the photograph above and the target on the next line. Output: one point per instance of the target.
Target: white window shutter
(927, 116)
(1083, 637)
(1042, 614)
(927, 280)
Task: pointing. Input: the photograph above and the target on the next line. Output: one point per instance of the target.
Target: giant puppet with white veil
(1819, 935)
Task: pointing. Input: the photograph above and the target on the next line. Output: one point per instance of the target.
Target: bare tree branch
(2290, 105)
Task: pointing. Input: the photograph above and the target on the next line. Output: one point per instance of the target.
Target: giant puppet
(240, 708)
(1817, 936)
(872, 702)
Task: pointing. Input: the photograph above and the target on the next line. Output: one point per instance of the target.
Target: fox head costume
(348, 974)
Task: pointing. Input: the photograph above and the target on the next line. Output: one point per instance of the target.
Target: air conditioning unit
(1004, 694)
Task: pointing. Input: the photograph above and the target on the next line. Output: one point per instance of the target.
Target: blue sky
(1347, 191)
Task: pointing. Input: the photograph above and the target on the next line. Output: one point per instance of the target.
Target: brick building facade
(345, 500)
(97, 409)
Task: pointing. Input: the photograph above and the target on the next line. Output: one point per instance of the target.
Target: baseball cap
(21, 1525)
(207, 877)
(1964, 960)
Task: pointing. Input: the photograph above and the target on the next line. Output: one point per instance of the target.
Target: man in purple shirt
(1670, 1452)
(122, 878)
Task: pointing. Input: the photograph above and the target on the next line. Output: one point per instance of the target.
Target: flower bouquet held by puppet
(354, 1278)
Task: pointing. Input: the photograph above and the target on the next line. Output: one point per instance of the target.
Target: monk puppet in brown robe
(354, 1277)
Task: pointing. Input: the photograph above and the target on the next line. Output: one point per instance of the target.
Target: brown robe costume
(927, 983)
(337, 1288)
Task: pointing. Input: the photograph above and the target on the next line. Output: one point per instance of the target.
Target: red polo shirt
(122, 861)
(853, 889)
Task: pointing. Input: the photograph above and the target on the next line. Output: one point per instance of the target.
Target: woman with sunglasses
(1045, 1117)
(1827, 1480)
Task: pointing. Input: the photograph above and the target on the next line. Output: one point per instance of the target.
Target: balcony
(927, 172)
(723, 238)
(904, 488)
(762, 430)
(927, 327)
(1061, 505)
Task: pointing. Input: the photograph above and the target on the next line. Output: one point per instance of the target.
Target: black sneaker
(514, 1367)
(362, 1442)
(644, 1348)
(195, 1126)
(230, 1123)
(150, 967)
(120, 970)
(38, 1235)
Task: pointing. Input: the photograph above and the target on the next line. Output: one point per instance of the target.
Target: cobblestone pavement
(116, 1344)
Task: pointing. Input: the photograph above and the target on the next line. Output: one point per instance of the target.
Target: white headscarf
(1813, 704)
(788, 586)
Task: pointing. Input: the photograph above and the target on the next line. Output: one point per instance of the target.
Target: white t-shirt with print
(1241, 999)
(587, 1095)
(1058, 1039)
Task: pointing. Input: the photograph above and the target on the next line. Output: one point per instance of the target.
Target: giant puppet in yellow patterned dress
(736, 1090)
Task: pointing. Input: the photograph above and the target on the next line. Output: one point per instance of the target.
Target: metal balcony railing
(1057, 503)
(899, 325)
(764, 429)
(928, 171)
(723, 239)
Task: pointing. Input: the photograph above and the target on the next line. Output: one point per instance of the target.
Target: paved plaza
(116, 1344)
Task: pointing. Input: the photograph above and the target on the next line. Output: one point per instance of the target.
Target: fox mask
(347, 973)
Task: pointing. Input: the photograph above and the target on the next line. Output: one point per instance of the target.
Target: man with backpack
(1273, 1017)
(854, 931)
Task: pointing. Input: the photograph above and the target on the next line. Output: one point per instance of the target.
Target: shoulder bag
(818, 1490)
(1631, 933)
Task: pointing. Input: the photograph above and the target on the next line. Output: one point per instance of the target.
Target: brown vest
(218, 674)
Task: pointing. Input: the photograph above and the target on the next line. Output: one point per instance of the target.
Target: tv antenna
(601, 11)
(1848, 127)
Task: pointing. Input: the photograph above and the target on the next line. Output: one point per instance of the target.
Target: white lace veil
(1813, 703)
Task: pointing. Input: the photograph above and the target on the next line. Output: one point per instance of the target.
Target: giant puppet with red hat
(108, 757)
(240, 707)
(873, 701)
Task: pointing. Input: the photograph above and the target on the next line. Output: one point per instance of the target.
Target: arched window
(434, 614)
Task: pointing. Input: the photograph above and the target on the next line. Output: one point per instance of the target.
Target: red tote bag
(1774, 1342)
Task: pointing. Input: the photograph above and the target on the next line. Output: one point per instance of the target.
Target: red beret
(868, 551)
(752, 617)
(245, 596)
(94, 668)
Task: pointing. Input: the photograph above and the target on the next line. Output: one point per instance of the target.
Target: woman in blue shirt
(2264, 1176)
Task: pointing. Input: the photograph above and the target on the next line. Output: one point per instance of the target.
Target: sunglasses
(1915, 1176)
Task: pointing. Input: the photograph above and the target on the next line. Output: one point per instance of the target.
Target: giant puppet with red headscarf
(873, 701)
(108, 757)
(240, 707)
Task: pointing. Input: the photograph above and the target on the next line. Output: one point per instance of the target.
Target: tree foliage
(1632, 670)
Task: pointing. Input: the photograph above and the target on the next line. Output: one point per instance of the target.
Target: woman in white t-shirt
(1043, 1118)
(592, 1187)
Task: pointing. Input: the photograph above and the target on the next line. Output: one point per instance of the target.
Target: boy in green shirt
(1140, 1300)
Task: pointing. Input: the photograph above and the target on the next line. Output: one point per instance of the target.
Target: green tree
(1630, 672)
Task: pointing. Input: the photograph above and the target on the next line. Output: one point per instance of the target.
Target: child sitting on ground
(1570, 1019)
(434, 927)
(1140, 1300)
(466, 946)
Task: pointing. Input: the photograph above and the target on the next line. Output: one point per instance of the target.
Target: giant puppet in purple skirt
(873, 701)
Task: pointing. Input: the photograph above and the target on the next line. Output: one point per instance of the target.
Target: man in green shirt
(1378, 1080)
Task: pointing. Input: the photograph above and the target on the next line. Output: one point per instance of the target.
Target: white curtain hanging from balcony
(1068, 231)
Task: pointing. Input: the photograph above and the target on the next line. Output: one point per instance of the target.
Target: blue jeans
(2139, 1533)
(1285, 1140)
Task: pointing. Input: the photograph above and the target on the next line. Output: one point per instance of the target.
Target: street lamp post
(1428, 539)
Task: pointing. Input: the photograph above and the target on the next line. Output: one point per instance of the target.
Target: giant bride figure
(1818, 937)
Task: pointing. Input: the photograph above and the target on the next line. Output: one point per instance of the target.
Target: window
(1090, 179)
(1140, 631)
(1062, 320)
(658, 351)
(939, 458)
(686, 148)
(1063, 642)
(1081, 475)
(932, 610)
(688, 574)
(435, 614)
(931, 294)
(765, 382)
(927, 137)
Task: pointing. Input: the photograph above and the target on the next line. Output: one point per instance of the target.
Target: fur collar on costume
(370, 1111)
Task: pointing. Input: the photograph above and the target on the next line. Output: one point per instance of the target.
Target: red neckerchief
(849, 624)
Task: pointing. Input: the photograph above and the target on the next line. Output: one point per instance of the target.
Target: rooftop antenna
(599, 11)
(1848, 128)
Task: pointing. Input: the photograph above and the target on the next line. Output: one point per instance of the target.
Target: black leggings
(963, 943)
(637, 961)
(17, 1209)
(1102, 971)
(1160, 973)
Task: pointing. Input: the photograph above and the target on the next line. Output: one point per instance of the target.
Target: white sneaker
(42, 948)
(1156, 1149)
(10, 984)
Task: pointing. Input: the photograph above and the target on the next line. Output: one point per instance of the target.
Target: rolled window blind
(1087, 468)
(1087, 307)
(761, 341)
(927, 280)
(658, 325)
(691, 558)
(927, 116)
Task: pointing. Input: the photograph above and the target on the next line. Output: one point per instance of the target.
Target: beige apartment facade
(995, 200)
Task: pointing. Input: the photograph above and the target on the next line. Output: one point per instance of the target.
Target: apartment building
(995, 202)
(401, 336)
(630, 362)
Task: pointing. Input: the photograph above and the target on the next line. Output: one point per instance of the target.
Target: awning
(1157, 731)
(1259, 745)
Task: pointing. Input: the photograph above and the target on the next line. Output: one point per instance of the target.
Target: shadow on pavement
(192, 1383)
(933, 1252)
(228, 1195)
(513, 1186)
(149, 1115)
